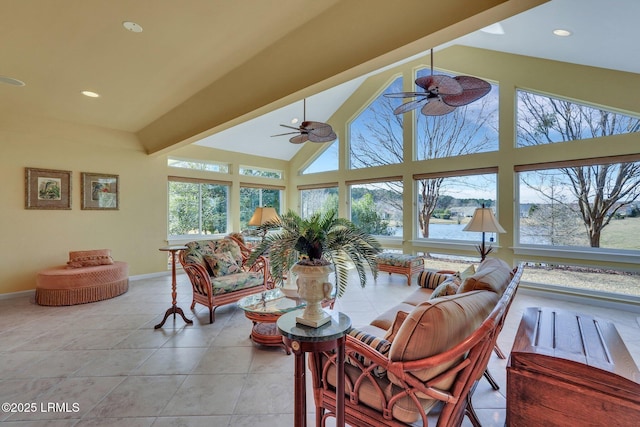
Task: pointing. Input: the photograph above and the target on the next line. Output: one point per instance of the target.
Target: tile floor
(103, 364)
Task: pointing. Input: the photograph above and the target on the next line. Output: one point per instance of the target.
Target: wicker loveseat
(424, 352)
(219, 272)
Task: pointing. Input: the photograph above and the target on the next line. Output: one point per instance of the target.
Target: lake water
(455, 232)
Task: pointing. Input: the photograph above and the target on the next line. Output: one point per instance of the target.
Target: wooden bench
(400, 263)
(570, 369)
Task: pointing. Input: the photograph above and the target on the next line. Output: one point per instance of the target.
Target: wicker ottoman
(400, 263)
(64, 286)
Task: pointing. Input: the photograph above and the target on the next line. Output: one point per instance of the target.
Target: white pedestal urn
(313, 287)
(289, 287)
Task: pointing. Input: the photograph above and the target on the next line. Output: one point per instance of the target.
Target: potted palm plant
(313, 248)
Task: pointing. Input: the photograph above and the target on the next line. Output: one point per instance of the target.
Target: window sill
(596, 254)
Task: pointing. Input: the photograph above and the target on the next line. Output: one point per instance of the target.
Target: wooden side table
(174, 309)
(304, 339)
(569, 368)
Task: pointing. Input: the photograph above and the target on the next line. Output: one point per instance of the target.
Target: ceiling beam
(348, 40)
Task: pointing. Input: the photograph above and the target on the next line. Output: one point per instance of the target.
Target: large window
(253, 197)
(316, 199)
(545, 120)
(197, 207)
(198, 165)
(469, 129)
(446, 202)
(326, 161)
(376, 134)
(581, 203)
(376, 207)
(261, 172)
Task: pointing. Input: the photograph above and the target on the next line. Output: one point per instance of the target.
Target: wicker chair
(396, 389)
(217, 283)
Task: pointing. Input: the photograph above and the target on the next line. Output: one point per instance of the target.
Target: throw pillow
(222, 264)
(380, 344)
(430, 279)
(467, 272)
(78, 259)
(397, 322)
(449, 287)
(229, 246)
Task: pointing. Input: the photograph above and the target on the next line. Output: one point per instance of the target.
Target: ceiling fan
(310, 130)
(442, 94)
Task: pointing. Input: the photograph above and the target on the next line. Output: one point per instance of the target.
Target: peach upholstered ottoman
(89, 276)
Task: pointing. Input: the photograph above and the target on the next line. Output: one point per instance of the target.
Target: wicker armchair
(439, 352)
(219, 273)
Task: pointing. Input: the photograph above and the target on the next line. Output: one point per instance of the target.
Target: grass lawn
(621, 234)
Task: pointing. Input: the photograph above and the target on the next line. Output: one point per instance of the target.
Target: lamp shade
(263, 215)
(484, 221)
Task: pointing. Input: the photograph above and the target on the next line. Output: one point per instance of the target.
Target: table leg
(340, 383)
(174, 309)
(300, 391)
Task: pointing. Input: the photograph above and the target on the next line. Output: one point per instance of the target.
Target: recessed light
(11, 81)
(562, 33)
(90, 94)
(132, 26)
(294, 120)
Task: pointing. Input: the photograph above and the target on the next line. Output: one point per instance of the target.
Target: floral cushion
(199, 249)
(222, 264)
(234, 282)
(380, 344)
(229, 246)
(399, 260)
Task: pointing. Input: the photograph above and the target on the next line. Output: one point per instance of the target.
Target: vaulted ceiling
(202, 66)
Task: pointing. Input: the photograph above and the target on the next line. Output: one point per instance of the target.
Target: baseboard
(10, 295)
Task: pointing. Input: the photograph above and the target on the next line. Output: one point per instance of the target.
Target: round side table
(174, 309)
(306, 339)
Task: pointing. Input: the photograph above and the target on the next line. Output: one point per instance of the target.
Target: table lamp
(484, 221)
(261, 216)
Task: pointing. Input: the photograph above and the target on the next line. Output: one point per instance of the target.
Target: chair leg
(471, 413)
(211, 309)
(492, 381)
(499, 352)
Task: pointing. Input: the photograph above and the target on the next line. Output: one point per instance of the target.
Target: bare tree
(599, 191)
(378, 141)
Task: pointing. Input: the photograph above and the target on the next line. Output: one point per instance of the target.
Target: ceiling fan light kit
(310, 130)
(442, 94)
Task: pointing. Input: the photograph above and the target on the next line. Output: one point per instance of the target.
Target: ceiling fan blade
(317, 128)
(473, 89)
(299, 139)
(315, 138)
(411, 105)
(440, 84)
(290, 127)
(435, 107)
(283, 134)
(404, 94)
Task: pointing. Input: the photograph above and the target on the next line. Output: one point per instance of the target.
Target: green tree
(599, 191)
(379, 141)
(365, 216)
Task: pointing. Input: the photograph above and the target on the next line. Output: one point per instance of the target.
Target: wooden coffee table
(264, 309)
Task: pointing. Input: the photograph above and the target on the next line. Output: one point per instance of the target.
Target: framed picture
(47, 189)
(100, 191)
